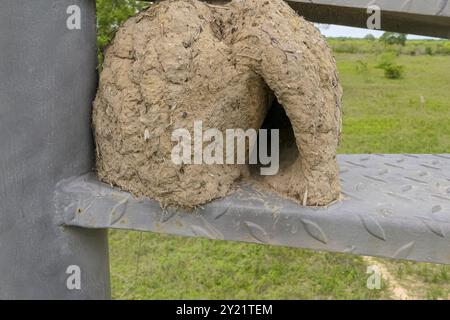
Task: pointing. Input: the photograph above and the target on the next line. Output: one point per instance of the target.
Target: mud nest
(245, 64)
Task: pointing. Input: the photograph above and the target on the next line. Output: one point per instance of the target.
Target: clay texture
(184, 61)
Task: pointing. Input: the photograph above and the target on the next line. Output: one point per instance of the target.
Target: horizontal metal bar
(428, 18)
(395, 206)
(422, 17)
(423, 7)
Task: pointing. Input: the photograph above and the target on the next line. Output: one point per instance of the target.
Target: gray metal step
(395, 206)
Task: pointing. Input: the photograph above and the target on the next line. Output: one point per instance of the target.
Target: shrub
(361, 67)
(443, 48)
(429, 51)
(393, 71)
(346, 47)
(387, 62)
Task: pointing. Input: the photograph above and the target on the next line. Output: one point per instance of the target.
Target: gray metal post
(47, 83)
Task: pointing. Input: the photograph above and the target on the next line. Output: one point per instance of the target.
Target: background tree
(390, 38)
(111, 14)
(370, 37)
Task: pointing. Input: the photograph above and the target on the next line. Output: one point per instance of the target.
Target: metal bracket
(395, 206)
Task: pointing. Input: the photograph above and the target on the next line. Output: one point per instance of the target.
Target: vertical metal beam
(47, 83)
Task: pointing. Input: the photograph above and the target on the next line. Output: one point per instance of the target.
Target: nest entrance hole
(277, 118)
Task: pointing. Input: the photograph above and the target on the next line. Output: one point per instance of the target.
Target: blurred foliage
(111, 14)
(390, 38)
(369, 46)
(370, 37)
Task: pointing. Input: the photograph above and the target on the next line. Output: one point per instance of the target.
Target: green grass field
(409, 115)
(411, 47)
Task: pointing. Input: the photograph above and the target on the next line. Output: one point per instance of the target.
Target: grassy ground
(396, 116)
(163, 267)
(412, 47)
(380, 116)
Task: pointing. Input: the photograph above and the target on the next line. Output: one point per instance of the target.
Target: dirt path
(397, 291)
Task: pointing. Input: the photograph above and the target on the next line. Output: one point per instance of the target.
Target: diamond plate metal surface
(395, 206)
